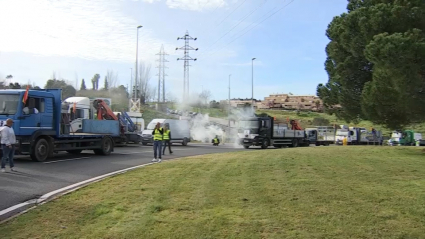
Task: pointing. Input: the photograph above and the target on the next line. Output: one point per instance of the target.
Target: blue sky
(76, 39)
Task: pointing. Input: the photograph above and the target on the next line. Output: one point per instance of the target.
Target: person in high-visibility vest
(166, 141)
(216, 141)
(157, 142)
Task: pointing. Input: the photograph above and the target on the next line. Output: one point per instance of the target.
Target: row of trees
(376, 63)
(119, 94)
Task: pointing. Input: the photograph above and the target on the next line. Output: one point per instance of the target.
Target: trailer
(264, 132)
(42, 132)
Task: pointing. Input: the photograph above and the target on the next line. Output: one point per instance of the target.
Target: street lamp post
(252, 96)
(228, 106)
(137, 63)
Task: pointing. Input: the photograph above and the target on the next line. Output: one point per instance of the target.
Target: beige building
(239, 103)
(284, 101)
(288, 101)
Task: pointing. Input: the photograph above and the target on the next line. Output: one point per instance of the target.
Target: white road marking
(63, 160)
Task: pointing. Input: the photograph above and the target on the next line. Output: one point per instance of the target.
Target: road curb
(21, 208)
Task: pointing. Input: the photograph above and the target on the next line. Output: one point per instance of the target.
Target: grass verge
(317, 192)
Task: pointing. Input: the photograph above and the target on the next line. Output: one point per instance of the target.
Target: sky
(76, 39)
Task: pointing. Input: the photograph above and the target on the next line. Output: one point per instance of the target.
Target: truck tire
(74, 151)
(106, 147)
(265, 144)
(145, 143)
(41, 151)
(184, 143)
(246, 146)
(295, 143)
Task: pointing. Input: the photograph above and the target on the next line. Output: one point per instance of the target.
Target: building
(280, 101)
(239, 103)
(289, 101)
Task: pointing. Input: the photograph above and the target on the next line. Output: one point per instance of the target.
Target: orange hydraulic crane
(105, 113)
(295, 125)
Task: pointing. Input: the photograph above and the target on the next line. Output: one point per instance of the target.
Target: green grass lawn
(316, 192)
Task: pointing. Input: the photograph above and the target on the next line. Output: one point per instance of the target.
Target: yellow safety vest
(157, 135)
(167, 135)
(215, 140)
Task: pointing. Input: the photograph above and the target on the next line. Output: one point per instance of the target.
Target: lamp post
(252, 96)
(228, 106)
(137, 63)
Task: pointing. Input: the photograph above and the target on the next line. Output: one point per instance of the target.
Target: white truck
(180, 131)
(357, 135)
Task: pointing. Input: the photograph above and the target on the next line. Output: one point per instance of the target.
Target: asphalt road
(34, 179)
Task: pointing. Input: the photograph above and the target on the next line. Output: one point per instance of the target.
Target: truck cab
(81, 112)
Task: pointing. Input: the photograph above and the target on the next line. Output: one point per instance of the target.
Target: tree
(83, 85)
(15, 85)
(95, 81)
(375, 63)
(204, 96)
(112, 78)
(105, 84)
(67, 90)
(144, 90)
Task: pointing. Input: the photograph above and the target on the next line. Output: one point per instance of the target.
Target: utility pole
(186, 58)
(135, 100)
(161, 74)
(252, 96)
(228, 106)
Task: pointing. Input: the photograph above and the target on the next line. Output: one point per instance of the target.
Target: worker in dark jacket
(167, 138)
(157, 133)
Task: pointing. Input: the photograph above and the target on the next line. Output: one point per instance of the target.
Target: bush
(320, 121)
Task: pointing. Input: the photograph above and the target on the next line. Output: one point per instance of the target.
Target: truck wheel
(294, 143)
(265, 144)
(106, 147)
(41, 150)
(246, 146)
(75, 151)
(184, 143)
(145, 143)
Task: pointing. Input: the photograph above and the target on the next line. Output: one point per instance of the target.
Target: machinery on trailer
(265, 131)
(42, 125)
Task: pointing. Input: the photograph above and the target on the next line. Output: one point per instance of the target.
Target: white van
(180, 131)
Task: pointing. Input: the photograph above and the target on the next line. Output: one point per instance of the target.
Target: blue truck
(42, 125)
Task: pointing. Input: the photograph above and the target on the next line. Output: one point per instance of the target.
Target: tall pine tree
(83, 85)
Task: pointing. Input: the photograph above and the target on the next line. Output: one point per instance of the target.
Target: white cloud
(95, 29)
(196, 5)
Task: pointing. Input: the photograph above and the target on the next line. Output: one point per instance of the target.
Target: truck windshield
(9, 104)
(248, 124)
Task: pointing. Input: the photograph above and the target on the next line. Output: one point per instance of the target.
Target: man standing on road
(8, 141)
(167, 138)
(157, 142)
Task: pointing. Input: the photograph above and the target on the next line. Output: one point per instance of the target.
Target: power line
(249, 14)
(232, 12)
(280, 9)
